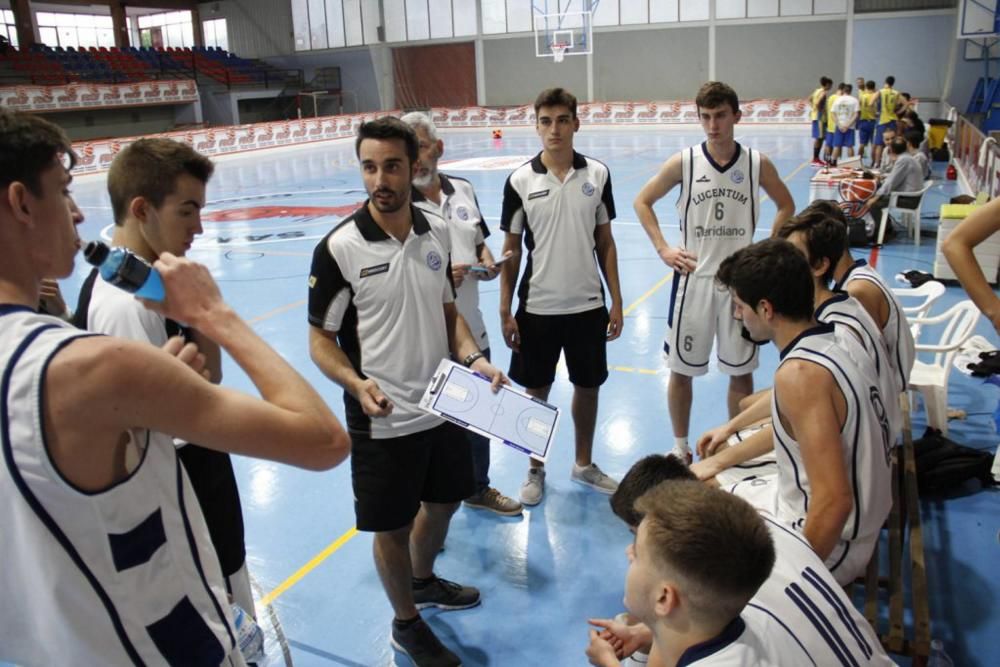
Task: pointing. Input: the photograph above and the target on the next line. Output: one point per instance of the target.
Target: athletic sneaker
(534, 486)
(444, 594)
(683, 454)
(818, 163)
(422, 646)
(494, 501)
(593, 477)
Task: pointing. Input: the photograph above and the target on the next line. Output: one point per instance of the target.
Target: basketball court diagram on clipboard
(466, 398)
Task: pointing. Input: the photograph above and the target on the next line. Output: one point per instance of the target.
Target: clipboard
(511, 416)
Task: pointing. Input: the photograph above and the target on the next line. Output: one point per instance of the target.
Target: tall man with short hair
(718, 207)
(453, 199)
(103, 537)
(562, 206)
(817, 116)
(382, 316)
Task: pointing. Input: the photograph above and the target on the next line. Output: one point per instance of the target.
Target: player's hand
(488, 370)
(712, 441)
(50, 298)
(192, 296)
(615, 321)
(625, 639)
(458, 274)
(511, 334)
(188, 354)
(679, 259)
(706, 468)
(373, 401)
(600, 653)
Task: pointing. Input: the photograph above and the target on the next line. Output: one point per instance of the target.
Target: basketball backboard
(563, 28)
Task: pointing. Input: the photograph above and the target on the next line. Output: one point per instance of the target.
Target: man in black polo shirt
(561, 203)
(382, 316)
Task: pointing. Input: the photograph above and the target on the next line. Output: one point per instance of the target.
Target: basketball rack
(563, 28)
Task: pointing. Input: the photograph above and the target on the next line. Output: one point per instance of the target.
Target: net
(559, 52)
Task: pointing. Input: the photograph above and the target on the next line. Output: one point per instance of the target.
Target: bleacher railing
(976, 156)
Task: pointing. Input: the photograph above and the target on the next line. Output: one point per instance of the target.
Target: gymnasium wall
(665, 64)
(779, 60)
(256, 28)
(514, 75)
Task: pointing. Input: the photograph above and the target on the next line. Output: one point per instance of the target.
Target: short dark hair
(891, 80)
(715, 94)
(29, 145)
(870, 84)
(898, 146)
(914, 138)
(772, 269)
(644, 474)
(907, 96)
(828, 208)
(714, 544)
(825, 238)
(556, 97)
(149, 168)
(825, 81)
(848, 88)
(389, 127)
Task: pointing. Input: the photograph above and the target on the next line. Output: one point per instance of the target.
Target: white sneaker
(593, 477)
(534, 487)
(683, 454)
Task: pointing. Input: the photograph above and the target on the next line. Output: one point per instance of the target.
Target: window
(9, 27)
(166, 29)
(215, 33)
(76, 30)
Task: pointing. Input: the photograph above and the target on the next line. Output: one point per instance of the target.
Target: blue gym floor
(544, 573)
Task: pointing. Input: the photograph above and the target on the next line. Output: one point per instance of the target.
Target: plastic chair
(910, 216)
(931, 379)
(927, 294)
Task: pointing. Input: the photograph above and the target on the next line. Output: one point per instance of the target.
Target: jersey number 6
(719, 211)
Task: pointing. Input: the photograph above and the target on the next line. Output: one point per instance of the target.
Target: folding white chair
(917, 301)
(909, 216)
(931, 379)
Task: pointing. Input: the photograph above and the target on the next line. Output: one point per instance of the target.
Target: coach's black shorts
(392, 476)
(583, 337)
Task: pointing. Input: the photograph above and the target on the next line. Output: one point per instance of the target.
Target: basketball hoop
(559, 52)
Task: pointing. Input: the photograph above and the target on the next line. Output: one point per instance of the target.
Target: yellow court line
(308, 567)
(649, 293)
(277, 311)
(785, 179)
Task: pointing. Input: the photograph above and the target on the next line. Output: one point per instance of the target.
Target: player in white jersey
(718, 207)
(797, 615)
(454, 200)
(830, 427)
(105, 550)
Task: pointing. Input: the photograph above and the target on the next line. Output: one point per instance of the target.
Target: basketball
(851, 209)
(498, 134)
(856, 189)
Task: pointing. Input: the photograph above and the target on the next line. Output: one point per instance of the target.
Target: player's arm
(462, 344)
(607, 259)
(757, 444)
(715, 439)
(508, 279)
(669, 176)
(778, 192)
(976, 228)
(107, 386)
(872, 300)
(807, 398)
(330, 358)
(487, 261)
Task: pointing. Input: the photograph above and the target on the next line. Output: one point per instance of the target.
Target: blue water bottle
(125, 270)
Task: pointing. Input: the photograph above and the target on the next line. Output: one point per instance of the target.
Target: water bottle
(248, 634)
(125, 270)
(938, 658)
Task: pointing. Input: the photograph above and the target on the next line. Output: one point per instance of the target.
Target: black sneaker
(422, 646)
(445, 594)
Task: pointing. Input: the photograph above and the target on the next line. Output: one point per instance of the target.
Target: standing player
(561, 202)
(718, 207)
(867, 117)
(454, 200)
(844, 111)
(817, 114)
(831, 432)
(382, 316)
(887, 104)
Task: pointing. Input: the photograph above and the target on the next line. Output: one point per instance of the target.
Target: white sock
(681, 445)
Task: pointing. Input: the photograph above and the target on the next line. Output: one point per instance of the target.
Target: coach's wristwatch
(471, 359)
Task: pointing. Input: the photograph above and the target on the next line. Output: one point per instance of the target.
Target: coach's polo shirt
(558, 220)
(384, 300)
(468, 230)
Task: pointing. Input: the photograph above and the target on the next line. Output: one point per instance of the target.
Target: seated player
(714, 582)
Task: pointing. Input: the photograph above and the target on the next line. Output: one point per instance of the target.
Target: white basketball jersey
(125, 576)
(898, 337)
(718, 204)
(846, 310)
(865, 441)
